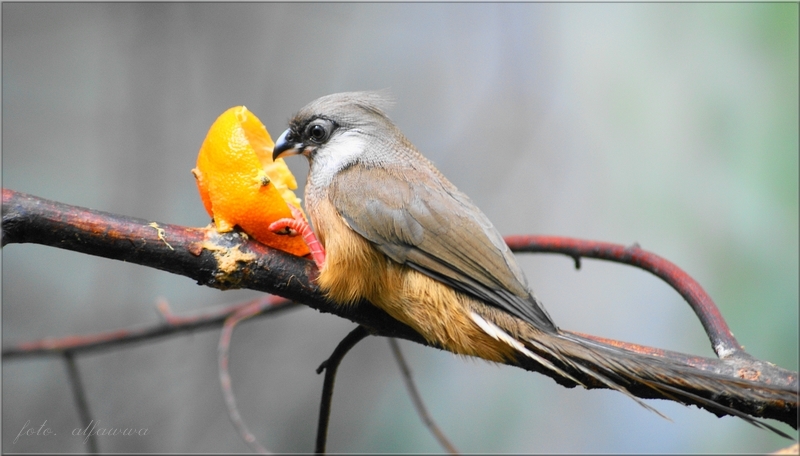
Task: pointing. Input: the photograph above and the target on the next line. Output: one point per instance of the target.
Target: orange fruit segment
(240, 184)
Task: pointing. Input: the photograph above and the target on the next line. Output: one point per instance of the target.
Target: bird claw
(285, 227)
(298, 225)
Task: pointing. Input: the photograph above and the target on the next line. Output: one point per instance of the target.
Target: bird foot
(298, 225)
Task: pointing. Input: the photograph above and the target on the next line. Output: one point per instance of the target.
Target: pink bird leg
(298, 225)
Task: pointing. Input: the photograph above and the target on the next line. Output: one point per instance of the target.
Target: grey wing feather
(439, 232)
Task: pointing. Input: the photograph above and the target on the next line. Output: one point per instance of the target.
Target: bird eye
(317, 132)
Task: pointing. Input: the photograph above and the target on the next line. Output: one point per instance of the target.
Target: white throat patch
(340, 152)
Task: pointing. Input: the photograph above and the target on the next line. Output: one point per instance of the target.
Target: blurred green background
(671, 125)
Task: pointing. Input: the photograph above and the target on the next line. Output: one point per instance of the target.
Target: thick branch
(232, 261)
(224, 261)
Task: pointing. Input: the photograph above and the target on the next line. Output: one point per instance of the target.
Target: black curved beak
(286, 145)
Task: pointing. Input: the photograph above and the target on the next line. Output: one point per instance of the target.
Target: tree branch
(79, 393)
(330, 366)
(720, 335)
(231, 260)
(416, 399)
(250, 309)
(173, 324)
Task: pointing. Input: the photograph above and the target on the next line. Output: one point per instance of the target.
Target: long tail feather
(498, 334)
(616, 367)
(609, 364)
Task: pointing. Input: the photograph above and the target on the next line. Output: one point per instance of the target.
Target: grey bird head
(342, 122)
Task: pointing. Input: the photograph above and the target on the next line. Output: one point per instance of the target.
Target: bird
(387, 227)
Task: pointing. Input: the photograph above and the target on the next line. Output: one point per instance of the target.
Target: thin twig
(223, 350)
(79, 393)
(722, 340)
(416, 398)
(171, 324)
(330, 366)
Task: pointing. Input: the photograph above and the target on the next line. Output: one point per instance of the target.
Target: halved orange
(240, 184)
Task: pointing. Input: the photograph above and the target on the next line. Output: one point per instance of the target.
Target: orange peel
(240, 184)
